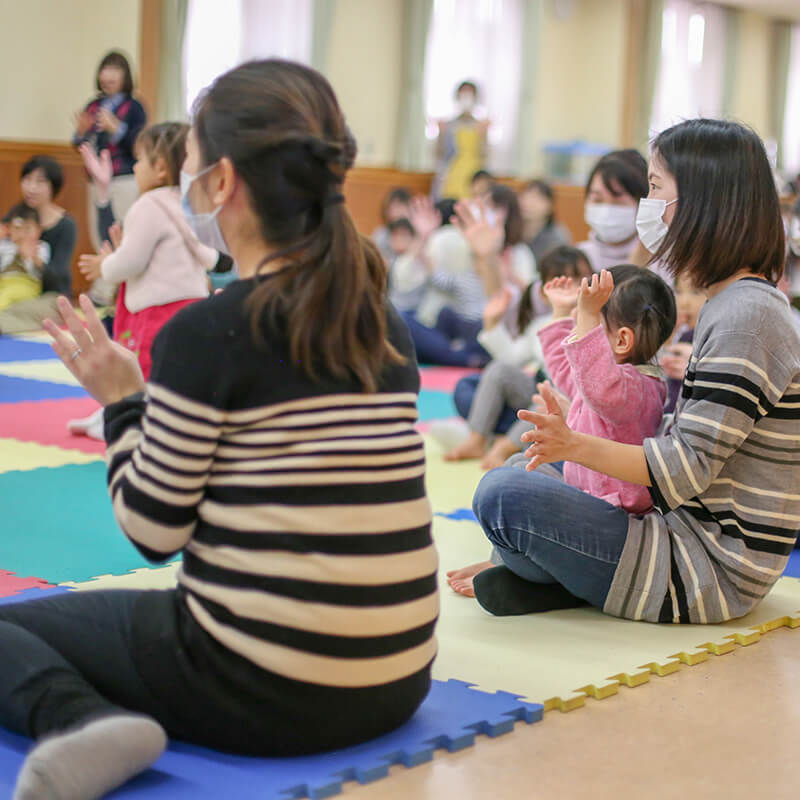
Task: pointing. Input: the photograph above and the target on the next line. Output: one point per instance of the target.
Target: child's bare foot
(502, 449)
(460, 580)
(474, 447)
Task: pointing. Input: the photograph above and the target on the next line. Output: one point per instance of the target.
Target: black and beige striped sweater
(299, 507)
(726, 476)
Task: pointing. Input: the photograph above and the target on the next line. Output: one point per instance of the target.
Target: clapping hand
(106, 369)
(99, 167)
(551, 440)
(91, 265)
(108, 121)
(83, 121)
(562, 294)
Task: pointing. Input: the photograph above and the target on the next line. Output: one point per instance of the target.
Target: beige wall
(364, 66)
(48, 58)
(752, 89)
(580, 74)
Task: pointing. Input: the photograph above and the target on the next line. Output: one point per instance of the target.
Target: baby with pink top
(600, 351)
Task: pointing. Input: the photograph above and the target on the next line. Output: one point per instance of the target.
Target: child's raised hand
(594, 293)
(423, 216)
(496, 308)
(562, 294)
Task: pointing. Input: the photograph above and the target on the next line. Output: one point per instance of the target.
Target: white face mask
(611, 223)
(205, 226)
(465, 102)
(650, 223)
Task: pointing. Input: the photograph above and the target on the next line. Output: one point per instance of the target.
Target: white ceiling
(781, 9)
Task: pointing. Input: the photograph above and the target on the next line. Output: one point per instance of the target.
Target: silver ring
(76, 354)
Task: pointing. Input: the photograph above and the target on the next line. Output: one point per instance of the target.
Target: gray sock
(88, 762)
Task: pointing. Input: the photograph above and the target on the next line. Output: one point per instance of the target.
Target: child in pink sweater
(603, 361)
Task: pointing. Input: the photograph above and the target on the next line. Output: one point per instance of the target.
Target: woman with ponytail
(274, 448)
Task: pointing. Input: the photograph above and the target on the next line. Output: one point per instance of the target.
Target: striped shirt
(299, 507)
(726, 476)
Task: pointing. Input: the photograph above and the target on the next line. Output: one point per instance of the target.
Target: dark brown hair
(116, 59)
(505, 198)
(165, 140)
(281, 126)
(562, 260)
(397, 195)
(546, 191)
(727, 217)
(622, 169)
(50, 168)
(643, 302)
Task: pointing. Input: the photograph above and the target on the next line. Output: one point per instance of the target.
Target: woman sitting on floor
(304, 615)
(724, 478)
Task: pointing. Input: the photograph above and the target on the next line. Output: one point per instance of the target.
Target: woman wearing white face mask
(461, 147)
(615, 186)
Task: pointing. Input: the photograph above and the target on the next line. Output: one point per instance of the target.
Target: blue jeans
(437, 345)
(549, 532)
(465, 393)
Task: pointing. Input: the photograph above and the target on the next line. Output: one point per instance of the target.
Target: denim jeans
(437, 345)
(549, 532)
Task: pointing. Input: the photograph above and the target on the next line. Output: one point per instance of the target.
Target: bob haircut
(727, 217)
(50, 168)
(622, 169)
(116, 59)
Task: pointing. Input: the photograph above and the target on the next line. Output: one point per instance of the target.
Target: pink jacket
(620, 402)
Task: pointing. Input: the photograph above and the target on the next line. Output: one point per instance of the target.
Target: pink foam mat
(45, 422)
(12, 584)
(443, 379)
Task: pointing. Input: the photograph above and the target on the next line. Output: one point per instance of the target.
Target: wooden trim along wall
(364, 190)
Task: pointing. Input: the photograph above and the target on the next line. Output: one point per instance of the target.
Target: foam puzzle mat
(58, 534)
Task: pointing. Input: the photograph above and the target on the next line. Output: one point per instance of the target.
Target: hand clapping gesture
(552, 439)
(108, 121)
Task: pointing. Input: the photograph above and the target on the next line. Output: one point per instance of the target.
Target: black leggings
(76, 656)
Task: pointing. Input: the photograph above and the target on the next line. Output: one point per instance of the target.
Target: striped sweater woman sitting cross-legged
(274, 448)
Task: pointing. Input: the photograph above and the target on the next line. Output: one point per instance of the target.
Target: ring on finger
(75, 354)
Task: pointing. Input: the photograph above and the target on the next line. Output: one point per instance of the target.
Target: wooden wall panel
(14, 154)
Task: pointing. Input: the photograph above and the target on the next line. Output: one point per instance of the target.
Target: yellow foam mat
(25, 456)
(44, 370)
(144, 578)
(560, 657)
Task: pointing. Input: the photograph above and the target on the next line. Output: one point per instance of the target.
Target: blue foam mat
(33, 594)
(435, 405)
(25, 390)
(19, 350)
(451, 716)
(58, 525)
(793, 567)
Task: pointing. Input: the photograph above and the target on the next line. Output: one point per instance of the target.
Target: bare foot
(474, 447)
(502, 449)
(460, 580)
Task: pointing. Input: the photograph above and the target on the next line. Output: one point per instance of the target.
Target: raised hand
(484, 237)
(562, 294)
(496, 308)
(423, 216)
(594, 293)
(552, 439)
(107, 370)
(98, 166)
